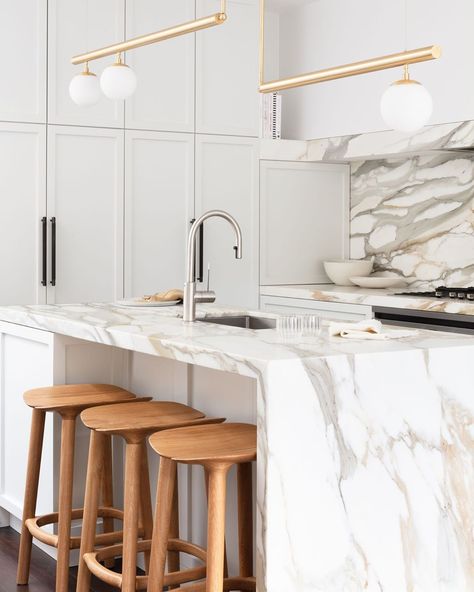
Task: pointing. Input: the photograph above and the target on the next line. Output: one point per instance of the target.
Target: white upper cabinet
(227, 98)
(159, 189)
(85, 196)
(22, 205)
(304, 220)
(76, 27)
(23, 49)
(227, 179)
(164, 99)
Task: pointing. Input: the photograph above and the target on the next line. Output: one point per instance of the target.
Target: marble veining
(365, 467)
(416, 218)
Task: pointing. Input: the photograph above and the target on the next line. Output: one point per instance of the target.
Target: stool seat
(141, 417)
(77, 396)
(225, 442)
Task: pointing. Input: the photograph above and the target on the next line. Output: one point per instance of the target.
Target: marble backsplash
(415, 216)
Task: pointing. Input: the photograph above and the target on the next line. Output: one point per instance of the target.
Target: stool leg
(146, 510)
(91, 504)
(161, 528)
(31, 493)
(108, 491)
(245, 512)
(226, 566)
(66, 469)
(133, 462)
(216, 528)
(173, 556)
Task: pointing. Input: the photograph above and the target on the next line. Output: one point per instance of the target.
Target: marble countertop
(365, 448)
(369, 297)
(161, 332)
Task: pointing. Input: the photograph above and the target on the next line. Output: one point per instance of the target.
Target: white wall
(327, 33)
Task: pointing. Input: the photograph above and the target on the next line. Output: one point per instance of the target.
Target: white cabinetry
(164, 99)
(227, 98)
(22, 204)
(85, 196)
(74, 28)
(304, 219)
(227, 179)
(333, 311)
(159, 203)
(23, 50)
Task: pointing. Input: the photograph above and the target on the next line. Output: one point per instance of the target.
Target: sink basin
(244, 321)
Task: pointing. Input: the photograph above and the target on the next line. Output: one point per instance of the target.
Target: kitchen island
(365, 448)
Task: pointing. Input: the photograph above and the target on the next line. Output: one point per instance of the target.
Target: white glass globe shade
(406, 106)
(84, 89)
(118, 82)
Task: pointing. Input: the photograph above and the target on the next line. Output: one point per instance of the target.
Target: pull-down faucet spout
(190, 293)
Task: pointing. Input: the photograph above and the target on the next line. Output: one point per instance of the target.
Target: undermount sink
(244, 321)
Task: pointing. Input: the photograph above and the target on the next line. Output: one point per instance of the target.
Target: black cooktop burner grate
(445, 292)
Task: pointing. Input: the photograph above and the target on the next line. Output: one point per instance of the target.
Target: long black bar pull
(199, 274)
(53, 251)
(44, 271)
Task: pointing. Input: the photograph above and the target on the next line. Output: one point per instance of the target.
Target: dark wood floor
(43, 568)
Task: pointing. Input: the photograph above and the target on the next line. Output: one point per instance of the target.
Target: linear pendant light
(118, 81)
(412, 56)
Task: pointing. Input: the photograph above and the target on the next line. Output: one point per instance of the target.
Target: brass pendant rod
(189, 27)
(395, 60)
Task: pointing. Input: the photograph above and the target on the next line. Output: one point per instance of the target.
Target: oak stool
(68, 401)
(216, 448)
(134, 423)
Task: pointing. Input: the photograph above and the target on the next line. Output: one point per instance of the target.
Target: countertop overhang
(162, 332)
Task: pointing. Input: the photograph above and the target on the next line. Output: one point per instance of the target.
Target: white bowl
(340, 271)
(378, 282)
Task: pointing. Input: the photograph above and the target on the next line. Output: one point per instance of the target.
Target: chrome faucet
(191, 295)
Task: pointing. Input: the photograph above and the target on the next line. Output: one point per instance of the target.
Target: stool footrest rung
(93, 561)
(35, 525)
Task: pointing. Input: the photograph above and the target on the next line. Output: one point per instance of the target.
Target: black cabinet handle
(199, 276)
(44, 226)
(53, 251)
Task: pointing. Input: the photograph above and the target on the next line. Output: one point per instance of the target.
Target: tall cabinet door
(227, 99)
(23, 48)
(85, 199)
(164, 99)
(159, 189)
(74, 28)
(227, 179)
(22, 206)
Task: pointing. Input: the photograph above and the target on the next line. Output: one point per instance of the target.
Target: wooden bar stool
(68, 401)
(216, 448)
(134, 422)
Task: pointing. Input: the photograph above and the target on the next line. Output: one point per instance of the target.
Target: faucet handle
(204, 296)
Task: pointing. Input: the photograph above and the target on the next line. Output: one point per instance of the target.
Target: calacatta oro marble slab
(366, 449)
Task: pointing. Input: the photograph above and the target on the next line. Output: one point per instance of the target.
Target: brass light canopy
(175, 31)
(395, 60)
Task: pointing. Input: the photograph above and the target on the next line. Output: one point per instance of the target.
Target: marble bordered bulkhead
(415, 215)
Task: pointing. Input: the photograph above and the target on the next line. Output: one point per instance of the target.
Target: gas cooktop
(444, 292)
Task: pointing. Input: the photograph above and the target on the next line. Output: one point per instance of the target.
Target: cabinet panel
(164, 99)
(304, 220)
(74, 28)
(159, 181)
(85, 195)
(23, 47)
(16, 346)
(227, 179)
(227, 99)
(23, 203)
(331, 311)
